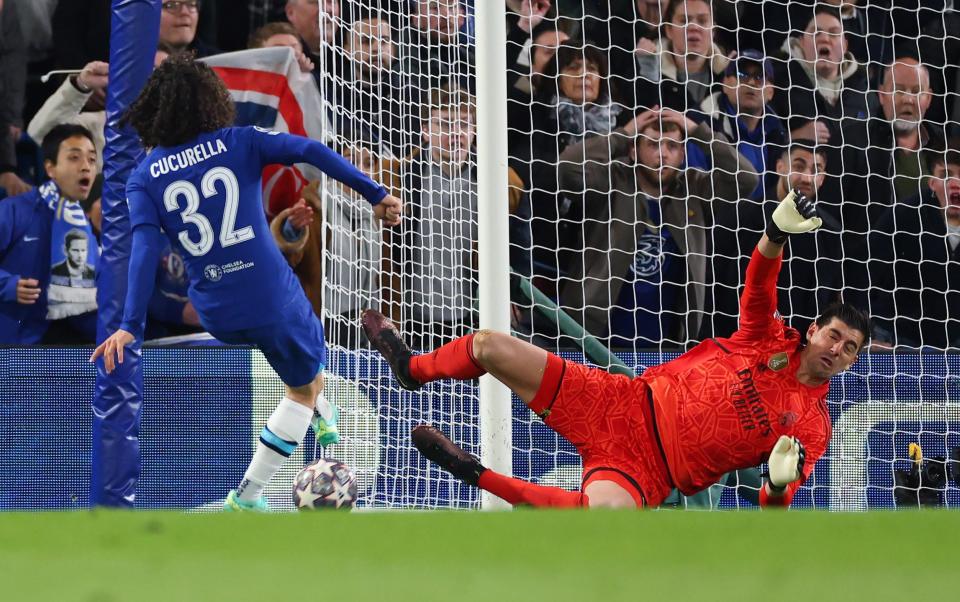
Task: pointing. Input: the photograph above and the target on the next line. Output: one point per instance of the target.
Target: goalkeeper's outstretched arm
(795, 214)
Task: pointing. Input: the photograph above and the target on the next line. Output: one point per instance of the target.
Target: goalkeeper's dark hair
(182, 99)
(50, 147)
(850, 315)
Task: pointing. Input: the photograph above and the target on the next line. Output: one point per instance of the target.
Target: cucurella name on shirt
(187, 157)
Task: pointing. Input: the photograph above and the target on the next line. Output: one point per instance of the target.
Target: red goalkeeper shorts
(609, 419)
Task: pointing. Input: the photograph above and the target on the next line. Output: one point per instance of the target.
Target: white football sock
(285, 430)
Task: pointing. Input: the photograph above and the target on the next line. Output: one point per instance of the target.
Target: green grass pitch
(465, 556)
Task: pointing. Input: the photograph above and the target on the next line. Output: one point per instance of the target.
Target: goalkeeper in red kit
(758, 396)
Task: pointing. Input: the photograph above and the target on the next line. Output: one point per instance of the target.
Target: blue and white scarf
(73, 255)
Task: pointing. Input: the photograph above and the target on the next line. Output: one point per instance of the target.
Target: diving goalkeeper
(758, 396)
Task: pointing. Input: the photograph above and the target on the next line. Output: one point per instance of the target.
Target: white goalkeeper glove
(795, 214)
(786, 462)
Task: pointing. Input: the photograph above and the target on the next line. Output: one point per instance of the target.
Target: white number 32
(231, 190)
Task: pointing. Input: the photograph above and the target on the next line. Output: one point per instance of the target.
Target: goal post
(496, 440)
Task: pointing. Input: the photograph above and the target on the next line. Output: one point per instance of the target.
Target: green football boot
(235, 504)
(326, 430)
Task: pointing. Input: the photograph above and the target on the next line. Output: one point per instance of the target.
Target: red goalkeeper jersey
(723, 404)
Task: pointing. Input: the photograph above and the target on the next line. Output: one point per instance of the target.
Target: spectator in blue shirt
(741, 112)
(29, 223)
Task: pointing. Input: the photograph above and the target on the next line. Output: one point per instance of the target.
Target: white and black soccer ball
(326, 483)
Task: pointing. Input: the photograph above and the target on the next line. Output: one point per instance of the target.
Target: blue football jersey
(206, 197)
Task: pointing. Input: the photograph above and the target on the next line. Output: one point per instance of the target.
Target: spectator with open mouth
(915, 292)
(48, 249)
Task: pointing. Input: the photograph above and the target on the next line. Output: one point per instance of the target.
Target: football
(325, 484)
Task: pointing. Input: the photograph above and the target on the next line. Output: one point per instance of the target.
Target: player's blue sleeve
(277, 147)
(142, 208)
(148, 245)
(8, 281)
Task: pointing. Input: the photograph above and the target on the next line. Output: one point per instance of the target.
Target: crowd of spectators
(648, 142)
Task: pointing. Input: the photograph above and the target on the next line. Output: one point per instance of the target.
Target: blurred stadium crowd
(648, 142)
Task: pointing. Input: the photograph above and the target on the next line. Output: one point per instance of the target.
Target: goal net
(647, 143)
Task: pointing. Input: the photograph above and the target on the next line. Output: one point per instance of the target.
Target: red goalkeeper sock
(453, 360)
(516, 491)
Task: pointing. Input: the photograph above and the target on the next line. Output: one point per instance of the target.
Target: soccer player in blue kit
(200, 185)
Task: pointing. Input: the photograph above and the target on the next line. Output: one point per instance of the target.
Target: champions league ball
(326, 483)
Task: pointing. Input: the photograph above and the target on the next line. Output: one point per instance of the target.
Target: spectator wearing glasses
(430, 258)
(741, 112)
(178, 27)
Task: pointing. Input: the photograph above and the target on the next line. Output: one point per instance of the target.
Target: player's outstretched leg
(447, 455)
(385, 338)
(517, 364)
(285, 429)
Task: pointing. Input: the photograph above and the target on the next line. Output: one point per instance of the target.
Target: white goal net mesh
(648, 142)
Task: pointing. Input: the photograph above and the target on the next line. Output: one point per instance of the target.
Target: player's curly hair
(181, 100)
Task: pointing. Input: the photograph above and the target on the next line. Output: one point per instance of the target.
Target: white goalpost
(496, 432)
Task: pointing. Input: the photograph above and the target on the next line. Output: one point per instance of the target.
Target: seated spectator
(532, 41)
(825, 96)
(432, 53)
(67, 104)
(642, 277)
(740, 111)
(333, 243)
(430, 257)
(901, 143)
(915, 267)
(178, 27)
(573, 103)
(680, 70)
(170, 312)
(305, 17)
(576, 89)
(369, 100)
(280, 33)
(48, 249)
(13, 72)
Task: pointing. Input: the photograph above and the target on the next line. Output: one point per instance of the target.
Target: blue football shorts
(294, 345)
